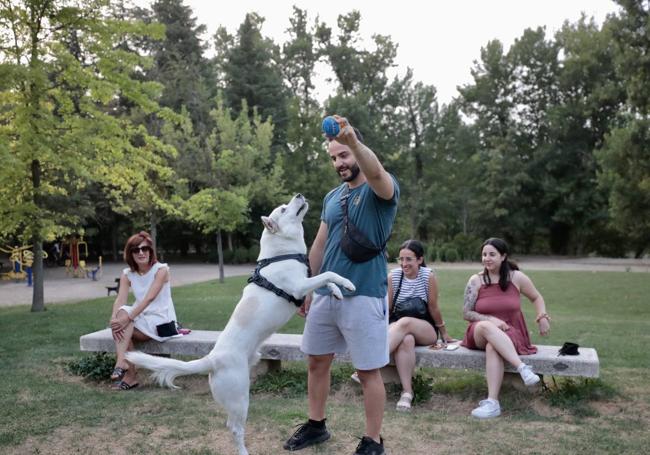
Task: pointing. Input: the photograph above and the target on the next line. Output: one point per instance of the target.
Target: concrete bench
(286, 347)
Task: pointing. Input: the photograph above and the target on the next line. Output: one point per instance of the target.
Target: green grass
(46, 408)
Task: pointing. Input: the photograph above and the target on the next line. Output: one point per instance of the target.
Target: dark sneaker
(367, 446)
(306, 435)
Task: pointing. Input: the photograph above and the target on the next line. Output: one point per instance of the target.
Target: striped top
(418, 287)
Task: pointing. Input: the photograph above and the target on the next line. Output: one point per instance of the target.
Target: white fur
(258, 314)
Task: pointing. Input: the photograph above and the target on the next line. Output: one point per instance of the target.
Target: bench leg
(514, 380)
(389, 374)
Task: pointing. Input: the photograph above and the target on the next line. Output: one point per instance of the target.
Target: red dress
(506, 306)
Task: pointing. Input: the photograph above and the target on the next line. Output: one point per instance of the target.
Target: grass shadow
(574, 395)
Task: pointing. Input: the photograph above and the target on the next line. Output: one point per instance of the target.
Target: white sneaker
(487, 409)
(527, 374)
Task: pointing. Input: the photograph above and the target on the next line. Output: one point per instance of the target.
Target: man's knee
(369, 375)
(319, 364)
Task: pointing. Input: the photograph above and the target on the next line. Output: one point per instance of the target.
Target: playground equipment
(22, 259)
(75, 266)
(95, 273)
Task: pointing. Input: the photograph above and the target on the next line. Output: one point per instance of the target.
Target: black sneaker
(367, 446)
(307, 435)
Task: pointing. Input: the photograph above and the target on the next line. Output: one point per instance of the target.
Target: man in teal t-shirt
(358, 324)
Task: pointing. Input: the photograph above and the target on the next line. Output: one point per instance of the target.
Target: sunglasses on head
(140, 249)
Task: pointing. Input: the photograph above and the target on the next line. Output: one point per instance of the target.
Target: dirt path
(61, 288)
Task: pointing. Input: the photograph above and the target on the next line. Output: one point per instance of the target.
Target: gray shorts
(358, 324)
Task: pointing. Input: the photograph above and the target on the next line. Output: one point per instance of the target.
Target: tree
(363, 81)
(305, 159)
(180, 65)
(248, 65)
(215, 211)
(489, 103)
(589, 96)
(414, 122)
(625, 162)
(624, 159)
(61, 69)
(244, 177)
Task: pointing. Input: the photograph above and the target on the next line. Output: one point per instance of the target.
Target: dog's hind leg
(230, 388)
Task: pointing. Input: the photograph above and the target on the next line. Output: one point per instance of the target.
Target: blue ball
(331, 127)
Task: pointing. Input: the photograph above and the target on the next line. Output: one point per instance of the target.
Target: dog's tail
(166, 370)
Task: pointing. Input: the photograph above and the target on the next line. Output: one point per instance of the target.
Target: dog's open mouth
(302, 207)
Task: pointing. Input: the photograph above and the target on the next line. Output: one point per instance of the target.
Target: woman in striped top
(417, 280)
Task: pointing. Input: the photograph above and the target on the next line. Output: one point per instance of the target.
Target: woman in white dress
(153, 305)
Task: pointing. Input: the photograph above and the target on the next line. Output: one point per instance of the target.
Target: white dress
(159, 311)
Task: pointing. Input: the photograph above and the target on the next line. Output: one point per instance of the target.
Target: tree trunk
(465, 216)
(153, 229)
(38, 300)
(220, 255)
(38, 296)
(114, 241)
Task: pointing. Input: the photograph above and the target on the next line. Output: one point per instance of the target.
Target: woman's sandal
(404, 403)
(118, 373)
(122, 385)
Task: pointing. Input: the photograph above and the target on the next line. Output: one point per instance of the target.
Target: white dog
(259, 313)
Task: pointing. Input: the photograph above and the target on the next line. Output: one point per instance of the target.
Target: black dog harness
(266, 284)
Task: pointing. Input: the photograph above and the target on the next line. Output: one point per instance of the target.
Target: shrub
(392, 248)
(97, 367)
(449, 254)
(253, 253)
(575, 395)
(467, 246)
(240, 256)
(228, 256)
(431, 253)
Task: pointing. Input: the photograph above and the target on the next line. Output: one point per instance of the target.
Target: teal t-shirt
(374, 217)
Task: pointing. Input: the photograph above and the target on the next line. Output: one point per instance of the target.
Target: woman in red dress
(496, 324)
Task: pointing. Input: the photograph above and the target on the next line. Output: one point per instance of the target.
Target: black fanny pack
(354, 243)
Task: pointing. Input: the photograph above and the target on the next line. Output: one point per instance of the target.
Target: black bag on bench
(569, 348)
(167, 330)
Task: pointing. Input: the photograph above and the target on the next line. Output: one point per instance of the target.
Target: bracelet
(542, 316)
(440, 326)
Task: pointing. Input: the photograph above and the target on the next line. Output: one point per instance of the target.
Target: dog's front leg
(329, 279)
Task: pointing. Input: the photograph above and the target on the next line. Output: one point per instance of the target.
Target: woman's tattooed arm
(471, 295)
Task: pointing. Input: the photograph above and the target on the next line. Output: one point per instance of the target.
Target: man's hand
(347, 135)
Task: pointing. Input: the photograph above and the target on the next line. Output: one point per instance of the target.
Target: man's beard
(354, 172)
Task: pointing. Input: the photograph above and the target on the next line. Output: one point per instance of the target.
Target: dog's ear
(269, 224)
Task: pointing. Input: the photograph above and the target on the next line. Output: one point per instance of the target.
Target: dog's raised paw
(334, 289)
(348, 285)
